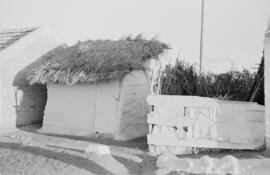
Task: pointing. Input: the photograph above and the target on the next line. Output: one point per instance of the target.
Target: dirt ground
(38, 154)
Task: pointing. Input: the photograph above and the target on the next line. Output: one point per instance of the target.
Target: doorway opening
(30, 101)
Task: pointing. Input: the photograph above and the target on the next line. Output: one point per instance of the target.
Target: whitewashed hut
(97, 87)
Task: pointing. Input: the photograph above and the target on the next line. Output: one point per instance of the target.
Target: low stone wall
(179, 123)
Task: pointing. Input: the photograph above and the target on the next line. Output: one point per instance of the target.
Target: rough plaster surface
(69, 110)
(133, 106)
(14, 59)
(31, 101)
(228, 164)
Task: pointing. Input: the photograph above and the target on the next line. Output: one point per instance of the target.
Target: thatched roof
(91, 61)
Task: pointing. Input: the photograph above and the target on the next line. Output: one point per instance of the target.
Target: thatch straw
(92, 61)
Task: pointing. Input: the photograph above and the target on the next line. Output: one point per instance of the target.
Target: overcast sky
(234, 29)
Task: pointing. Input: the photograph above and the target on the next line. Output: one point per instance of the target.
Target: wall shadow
(77, 161)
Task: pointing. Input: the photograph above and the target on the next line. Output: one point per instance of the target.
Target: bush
(182, 79)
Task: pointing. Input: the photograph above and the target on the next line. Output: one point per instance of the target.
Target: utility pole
(202, 37)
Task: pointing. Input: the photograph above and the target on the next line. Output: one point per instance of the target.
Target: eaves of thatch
(93, 61)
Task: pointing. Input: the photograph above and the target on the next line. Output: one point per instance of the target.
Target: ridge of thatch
(92, 61)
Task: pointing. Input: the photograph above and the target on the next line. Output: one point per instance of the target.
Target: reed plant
(183, 79)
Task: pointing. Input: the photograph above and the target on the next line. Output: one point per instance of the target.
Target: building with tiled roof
(19, 48)
(8, 37)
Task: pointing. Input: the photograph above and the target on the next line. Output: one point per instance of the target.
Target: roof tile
(10, 36)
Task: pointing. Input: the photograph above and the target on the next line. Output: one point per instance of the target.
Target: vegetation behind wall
(182, 79)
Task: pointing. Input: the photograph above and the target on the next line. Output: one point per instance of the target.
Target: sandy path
(17, 159)
(37, 158)
(24, 162)
(126, 158)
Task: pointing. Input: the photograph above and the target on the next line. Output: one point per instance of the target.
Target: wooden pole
(202, 37)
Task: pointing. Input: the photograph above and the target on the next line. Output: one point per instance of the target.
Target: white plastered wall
(69, 110)
(107, 100)
(81, 110)
(12, 60)
(133, 108)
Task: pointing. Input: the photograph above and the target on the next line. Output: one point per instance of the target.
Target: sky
(234, 29)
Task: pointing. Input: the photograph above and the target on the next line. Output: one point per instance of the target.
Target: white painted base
(203, 143)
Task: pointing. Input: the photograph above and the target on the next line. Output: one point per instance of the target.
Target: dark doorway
(30, 100)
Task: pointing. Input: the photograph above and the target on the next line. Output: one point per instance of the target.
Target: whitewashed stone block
(207, 164)
(156, 131)
(181, 134)
(168, 160)
(158, 150)
(229, 165)
(98, 149)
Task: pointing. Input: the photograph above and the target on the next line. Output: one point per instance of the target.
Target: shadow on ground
(77, 161)
(239, 154)
(138, 143)
(147, 166)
